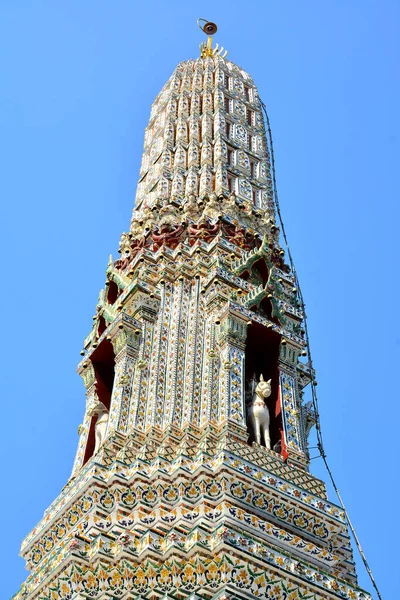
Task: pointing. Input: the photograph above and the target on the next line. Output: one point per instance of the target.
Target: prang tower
(191, 477)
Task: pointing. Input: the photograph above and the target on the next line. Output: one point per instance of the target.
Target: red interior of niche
(261, 357)
(103, 360)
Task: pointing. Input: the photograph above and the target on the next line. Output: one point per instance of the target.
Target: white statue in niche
(258, 412)
(101, 424)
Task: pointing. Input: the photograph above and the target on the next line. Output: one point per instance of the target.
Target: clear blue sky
(77, 81)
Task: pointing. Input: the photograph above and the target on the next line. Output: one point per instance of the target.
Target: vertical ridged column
(231, 340)
(290, 404)
(173, 346)
(181, 354)
(140, 387)
(126, 345)
(211, 364)
(156, 400)
(192, 351)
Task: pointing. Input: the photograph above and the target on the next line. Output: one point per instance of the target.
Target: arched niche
(112, 292)
(261, 358)
(103, 361)
(260, 270)
(102, 326)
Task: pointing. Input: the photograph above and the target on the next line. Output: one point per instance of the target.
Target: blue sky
(78, 79)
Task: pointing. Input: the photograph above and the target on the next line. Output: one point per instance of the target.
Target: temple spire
(191, 477)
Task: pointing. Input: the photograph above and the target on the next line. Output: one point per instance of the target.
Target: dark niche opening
(112, 293)
(261, 358)
(260, 271)
(91, 441)
(102, 326)
(103, 360)
(265, 308)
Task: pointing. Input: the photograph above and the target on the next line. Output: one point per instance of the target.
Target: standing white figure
(101, 424)
(258, 411)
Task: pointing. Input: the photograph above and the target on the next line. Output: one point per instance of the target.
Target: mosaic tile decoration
(172, 501)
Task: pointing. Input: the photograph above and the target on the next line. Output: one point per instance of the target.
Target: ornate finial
(206, 48)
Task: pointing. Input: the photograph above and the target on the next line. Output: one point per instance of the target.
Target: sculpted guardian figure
(258, 412)
(190, 208)
(212, 209)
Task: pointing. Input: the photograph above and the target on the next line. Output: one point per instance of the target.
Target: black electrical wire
(320, 444)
